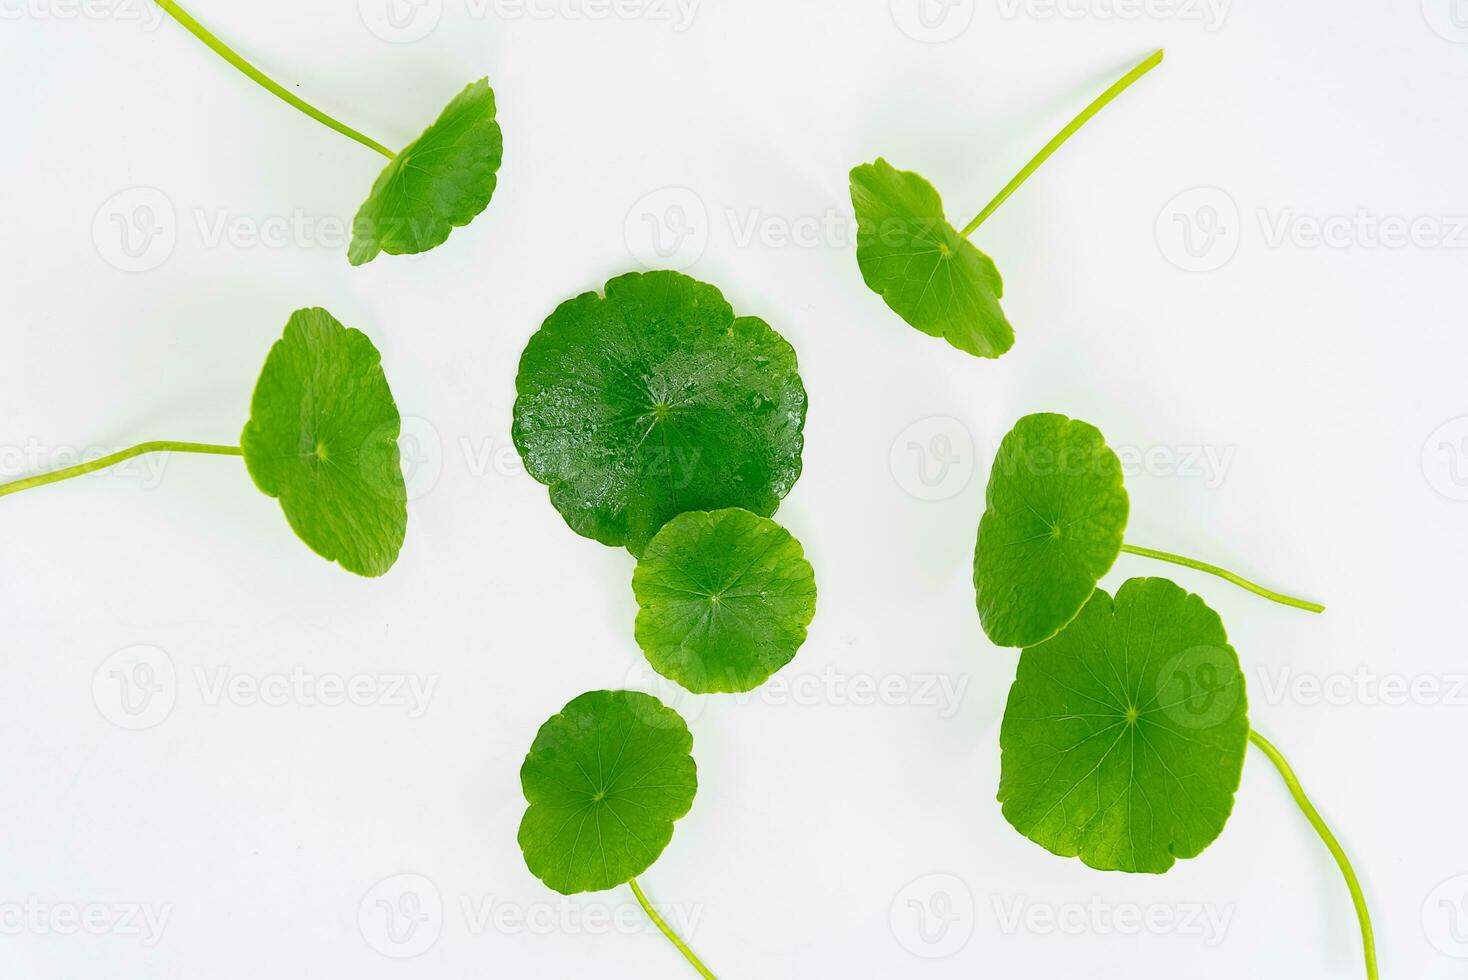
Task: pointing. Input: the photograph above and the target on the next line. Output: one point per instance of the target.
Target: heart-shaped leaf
(605, 779)
(1055, 512)
(1123, 740)
(655, 400)
(437, 183)
(322, 437)
(927, 272)
(725, 599)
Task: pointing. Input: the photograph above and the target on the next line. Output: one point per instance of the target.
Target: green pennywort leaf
(724, 600)
(928, 272)
(925, 271)
(1054, 515)
(439, 182)
(605, 779)
(1123, 739)
(322, 437)
(655, 400)
(1055, 512)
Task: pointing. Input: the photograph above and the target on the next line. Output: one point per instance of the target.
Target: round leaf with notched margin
(655, 400)
(928, 273)
(725, 599)
(322, 437)
(438, 182)
(605, 779)
(1054, 516)
(1123, 740)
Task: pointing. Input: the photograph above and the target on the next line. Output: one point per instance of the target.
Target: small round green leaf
(927, 272)
(724, 600)
(1123, 740)
(438, 182)
(1054, 516)
(605, 779)
(655, 400)
(322, 437)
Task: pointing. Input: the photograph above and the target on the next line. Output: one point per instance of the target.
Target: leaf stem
(81, 469)
(1358, 898)
(663, 927)
(1222, 573)
(223, 50)
(1121, 85)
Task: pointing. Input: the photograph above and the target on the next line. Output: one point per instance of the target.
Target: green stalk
(1222, 573)
(1121, 85)
(224, 51)
(1358, 898)
(663, 927)
(81, 469)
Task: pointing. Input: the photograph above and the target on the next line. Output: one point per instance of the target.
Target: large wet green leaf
(436, 183)
(655, 400)
(1055, 512)
(910, 255)
(1123, 740)
(322, 437)
(605, 779)
(724, 600)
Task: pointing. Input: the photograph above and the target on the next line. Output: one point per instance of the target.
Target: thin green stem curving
(224, 51)
(1223, 573)
(1358, 898)
(663, 927)
(1121, 85)
(81, 469)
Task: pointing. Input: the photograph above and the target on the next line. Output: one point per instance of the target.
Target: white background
(1319, 377)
